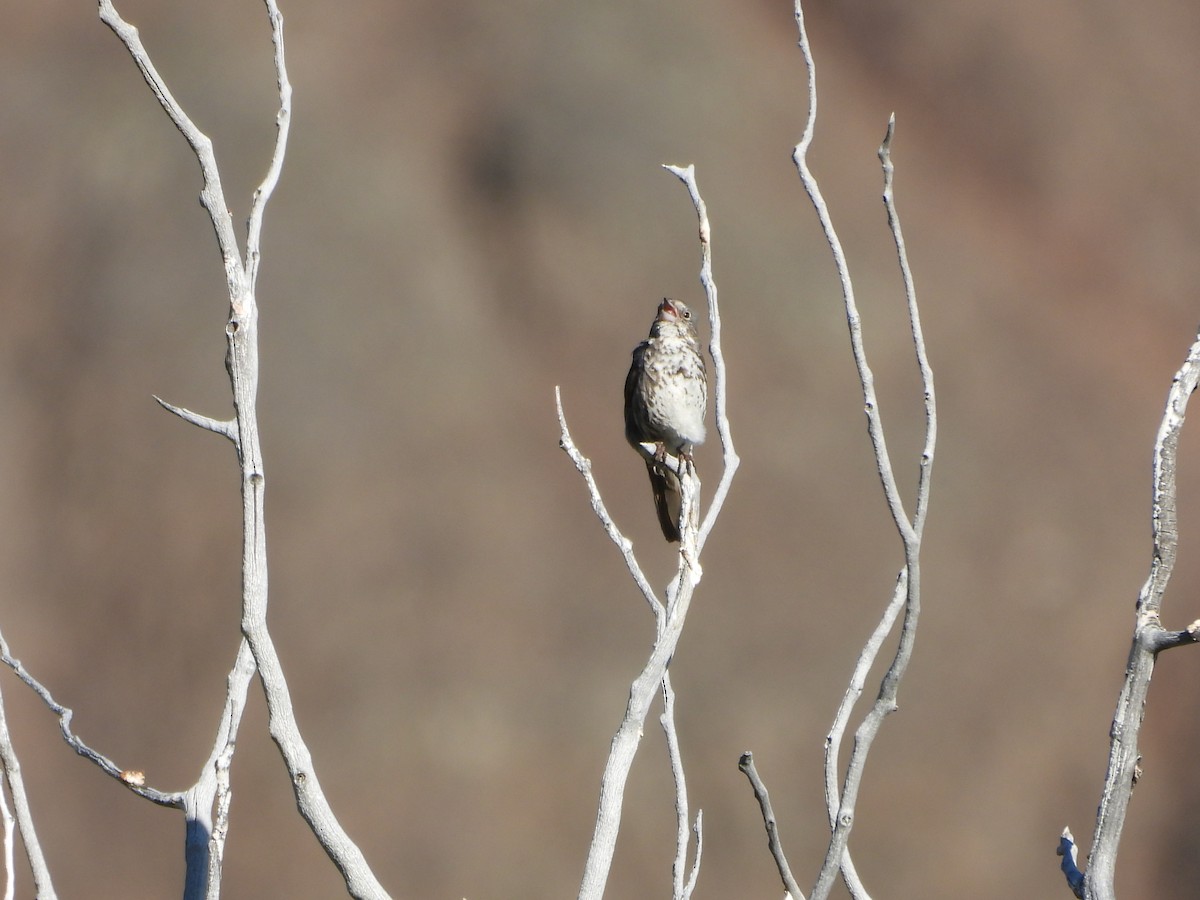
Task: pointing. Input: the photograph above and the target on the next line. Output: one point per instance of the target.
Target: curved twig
(687, 174)
(841, 808)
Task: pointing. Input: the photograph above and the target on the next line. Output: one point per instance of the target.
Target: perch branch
(669, 617)
(687, 174)
(629, 734)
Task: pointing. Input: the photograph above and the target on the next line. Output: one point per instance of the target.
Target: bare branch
(841, 720)
(584, 466)
(212, 198)
(842, 812)
(43, 885)
(131, 778)
(242, 364)
(10, 840)
(1157, 641)
(914, 320)
(629, 733)
(698, 830)
(224, 427)
(853, 318)
(746, 765)
(687, 174)
(283, 122)
(205, 840)
(679, 889)
(1149, 638)
(669, 617)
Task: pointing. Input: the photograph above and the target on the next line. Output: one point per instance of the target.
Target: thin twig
(283, 122)
(746, 765)
(853, 319)
(42, 883)
(127, 777)
(833, 740)
(687, 174)
(914, 320)
(225, 427)
(584, 466)
(667, 721)
(837, 856)
(694, 875)
(212, 197)
(10, 840)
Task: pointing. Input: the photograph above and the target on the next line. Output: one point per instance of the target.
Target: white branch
(224, 427)
(283, 122)
(10, 873)
(682, 884)
(242, 364)
(841, 799)
(629, 734)
(774, 844)
(687, 174)
(1149, 639)
(669, 617)
(43, 886)
(584, 466)
(212, 197)
(133, 779)
(669, 620)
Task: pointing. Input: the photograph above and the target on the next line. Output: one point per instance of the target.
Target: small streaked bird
(666, 397)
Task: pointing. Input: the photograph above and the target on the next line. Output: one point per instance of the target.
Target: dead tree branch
(842, 788)
(206, 804)
(1149, 639)
(669, 615)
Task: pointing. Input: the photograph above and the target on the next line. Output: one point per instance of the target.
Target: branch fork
(670, 612)
(206, 803)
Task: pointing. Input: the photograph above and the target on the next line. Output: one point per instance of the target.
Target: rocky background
(472, 212)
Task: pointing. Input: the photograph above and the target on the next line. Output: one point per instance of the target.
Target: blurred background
(472, 212)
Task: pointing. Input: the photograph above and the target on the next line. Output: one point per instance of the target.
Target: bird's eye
(688, 314)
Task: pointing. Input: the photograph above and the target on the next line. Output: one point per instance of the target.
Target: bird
(666, 399)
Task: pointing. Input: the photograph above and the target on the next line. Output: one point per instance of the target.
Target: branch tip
(225, 427)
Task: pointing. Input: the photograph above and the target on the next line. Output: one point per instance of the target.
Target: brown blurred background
(472, 212)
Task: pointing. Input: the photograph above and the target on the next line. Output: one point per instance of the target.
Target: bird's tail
(668, 498)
